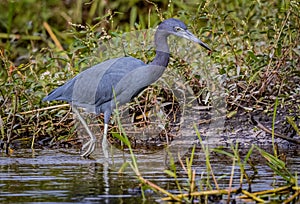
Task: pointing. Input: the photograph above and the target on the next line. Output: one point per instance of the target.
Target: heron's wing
(93, 87)
(82, 85)
(136, 80)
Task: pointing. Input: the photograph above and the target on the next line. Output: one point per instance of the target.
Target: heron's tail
(59, 94)
(54, 95)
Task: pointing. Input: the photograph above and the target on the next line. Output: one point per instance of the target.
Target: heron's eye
(177, 29)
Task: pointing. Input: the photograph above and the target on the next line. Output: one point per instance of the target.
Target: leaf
(278, 166)
(248, 154)
(223, 152)
(122, 138)
(170, 173)
(291, 121)
(123, 167)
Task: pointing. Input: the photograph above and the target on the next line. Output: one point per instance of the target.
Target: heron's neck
(162, 49)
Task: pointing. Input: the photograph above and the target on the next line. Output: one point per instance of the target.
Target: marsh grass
(207, 189)
(256, 49)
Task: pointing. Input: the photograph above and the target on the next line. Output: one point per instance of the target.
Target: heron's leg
(91, 143)
(104, 141)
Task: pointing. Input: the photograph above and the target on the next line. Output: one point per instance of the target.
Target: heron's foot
(90, 145)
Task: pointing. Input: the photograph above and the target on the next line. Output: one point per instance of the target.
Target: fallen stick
(264, 128)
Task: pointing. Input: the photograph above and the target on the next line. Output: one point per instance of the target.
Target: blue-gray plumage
(98, 88)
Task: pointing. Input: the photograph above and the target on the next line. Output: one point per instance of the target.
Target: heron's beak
(190, 36)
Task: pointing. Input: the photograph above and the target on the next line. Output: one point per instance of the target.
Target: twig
(254, 197)
(267, 191)
(202, 193)
(17, 36)
(262, 127)
(192, 186)
(181, 163)
(9, 134)
(154, 186)
(290, 199)
(231, 179)
(43, 109)
(53, 37)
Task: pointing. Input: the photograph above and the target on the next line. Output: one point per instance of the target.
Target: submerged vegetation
(256, 54)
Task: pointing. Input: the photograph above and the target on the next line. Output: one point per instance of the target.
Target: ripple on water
(53, 176)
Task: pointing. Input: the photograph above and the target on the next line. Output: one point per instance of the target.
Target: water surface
(60, 176)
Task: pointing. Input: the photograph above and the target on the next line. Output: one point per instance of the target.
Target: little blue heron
(118, 80)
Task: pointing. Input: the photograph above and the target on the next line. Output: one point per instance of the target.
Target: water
(57, 176)
(54, 176)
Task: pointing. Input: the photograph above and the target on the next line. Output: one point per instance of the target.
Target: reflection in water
(52, 176)
(55, 176)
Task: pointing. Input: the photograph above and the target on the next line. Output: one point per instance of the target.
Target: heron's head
(176, 27)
